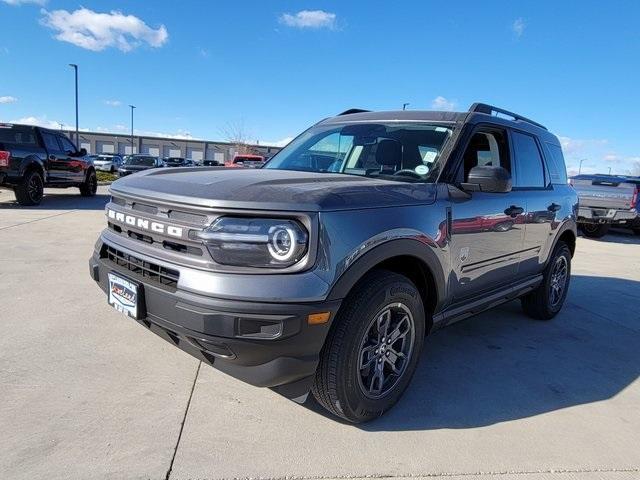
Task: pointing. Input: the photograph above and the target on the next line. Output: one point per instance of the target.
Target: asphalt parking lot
(86, 393)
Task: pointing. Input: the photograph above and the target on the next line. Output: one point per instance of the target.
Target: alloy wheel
(558, 283)
(35, 188)
(385, 350)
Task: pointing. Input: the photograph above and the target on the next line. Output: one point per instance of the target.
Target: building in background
(197, 150)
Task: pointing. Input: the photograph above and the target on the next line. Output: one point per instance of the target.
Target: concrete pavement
(87, 393)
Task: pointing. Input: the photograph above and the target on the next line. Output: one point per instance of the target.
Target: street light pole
(404, 106)
(75, 69)
(132, 107)
(580, 166)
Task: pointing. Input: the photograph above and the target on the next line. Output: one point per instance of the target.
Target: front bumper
(266, 344)
(605, 215)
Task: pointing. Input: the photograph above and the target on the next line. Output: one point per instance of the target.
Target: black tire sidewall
(358, 406)
(561, 250)
(599, 231)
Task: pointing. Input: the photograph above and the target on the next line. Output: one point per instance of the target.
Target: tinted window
(67, 146)
(51, 142)
(13, 135)
(529, 171)
(557, 168)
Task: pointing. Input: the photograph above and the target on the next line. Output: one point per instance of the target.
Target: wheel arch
(31, 163)
(568, 234)
(407, 257)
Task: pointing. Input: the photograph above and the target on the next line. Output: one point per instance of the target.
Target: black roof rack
(490, 109)
(352, 110)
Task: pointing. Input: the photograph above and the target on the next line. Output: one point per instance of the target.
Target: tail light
(4, 158)
(634, 200)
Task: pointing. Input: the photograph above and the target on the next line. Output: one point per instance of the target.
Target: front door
(57, 164)
(74, 163)
(487, 231)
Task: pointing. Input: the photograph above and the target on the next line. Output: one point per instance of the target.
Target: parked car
(606, 201)
(107, 162)
(324, 270)
(177, 162)
(207, 162)
(32, 158)
(246, 161)
(138, 163)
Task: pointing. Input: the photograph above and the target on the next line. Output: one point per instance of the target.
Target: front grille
(165, 277)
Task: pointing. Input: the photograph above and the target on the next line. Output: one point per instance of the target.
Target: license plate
(125, 295)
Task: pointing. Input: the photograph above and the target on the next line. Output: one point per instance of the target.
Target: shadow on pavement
(501, 366)
(57, 201)
(616, 235)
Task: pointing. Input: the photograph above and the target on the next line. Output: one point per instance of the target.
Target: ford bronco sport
(324, 270)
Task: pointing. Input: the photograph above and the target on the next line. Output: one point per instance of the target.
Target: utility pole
(580, 166)
(75, 69)
(132, 107)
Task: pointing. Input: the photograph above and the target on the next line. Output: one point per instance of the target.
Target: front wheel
(90, 185)
(373, 348)
(546, 301)
(594, 230)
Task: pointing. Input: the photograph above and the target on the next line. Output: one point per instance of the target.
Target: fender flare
(568, 225)
(385, 251)
(31, 161)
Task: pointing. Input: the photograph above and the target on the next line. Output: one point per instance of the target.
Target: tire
(112, 169)
(361, 394)
(594, 230)
(90, 185)
(546, 301)
(31, 190)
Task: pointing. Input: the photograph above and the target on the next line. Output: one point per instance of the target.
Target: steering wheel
(409, 172)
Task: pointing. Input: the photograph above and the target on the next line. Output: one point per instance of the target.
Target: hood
(266, 189)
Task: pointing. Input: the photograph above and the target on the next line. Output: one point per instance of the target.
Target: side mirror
(484, 178)
(83, 152)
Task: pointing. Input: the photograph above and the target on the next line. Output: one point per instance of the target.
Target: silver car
(107, 162)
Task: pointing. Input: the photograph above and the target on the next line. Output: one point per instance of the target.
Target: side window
(488, 148)
(529, 172)
(51, 142)
(557, 168)
(67, 146)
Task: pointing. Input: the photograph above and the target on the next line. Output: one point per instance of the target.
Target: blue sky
(195, 68)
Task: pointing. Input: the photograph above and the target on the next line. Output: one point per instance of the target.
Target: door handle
(554, 207)
(514, 211)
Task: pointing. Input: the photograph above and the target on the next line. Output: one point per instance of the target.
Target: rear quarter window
(17, 136)
(555, 163)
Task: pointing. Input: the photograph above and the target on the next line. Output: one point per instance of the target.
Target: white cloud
(97, 31)
(518, 27)
(279, 143)
(309, 19)
(113, 103)
(441, 103)
(8, 99)
(42, 122)
(16, 3)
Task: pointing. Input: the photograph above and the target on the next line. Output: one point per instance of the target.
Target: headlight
(256, 242)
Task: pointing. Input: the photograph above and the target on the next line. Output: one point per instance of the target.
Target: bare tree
(238, 136)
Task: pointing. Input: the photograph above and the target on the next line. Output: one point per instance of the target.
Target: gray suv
(324, 270)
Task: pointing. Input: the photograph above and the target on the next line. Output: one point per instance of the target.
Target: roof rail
(490, 109)
(352, 110)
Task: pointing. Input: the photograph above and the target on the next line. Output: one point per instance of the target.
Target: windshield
(142, 161)
(397, 151)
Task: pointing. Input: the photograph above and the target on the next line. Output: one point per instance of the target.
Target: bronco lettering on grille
(144, 224)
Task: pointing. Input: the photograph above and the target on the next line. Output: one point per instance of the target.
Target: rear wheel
(547, 300)
(594, 230)
(90, 185)
(373, 348)
(31, 190)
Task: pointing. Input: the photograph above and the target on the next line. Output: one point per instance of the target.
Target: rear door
(57, 164)
(487, 234)
(531, 180)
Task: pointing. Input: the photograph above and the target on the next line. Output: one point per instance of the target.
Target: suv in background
(138, 163)
(32, 158)
(324, 270)
(107, 162)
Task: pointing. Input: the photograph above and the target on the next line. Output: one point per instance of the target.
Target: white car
(107, 162)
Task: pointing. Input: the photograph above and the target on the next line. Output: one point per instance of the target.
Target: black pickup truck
(32, 158)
